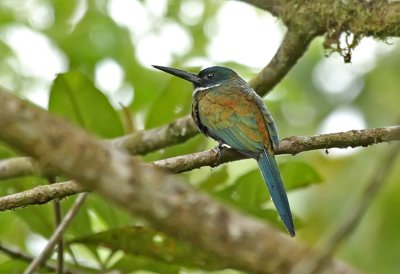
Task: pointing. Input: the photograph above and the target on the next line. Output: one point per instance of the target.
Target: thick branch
(168, 203)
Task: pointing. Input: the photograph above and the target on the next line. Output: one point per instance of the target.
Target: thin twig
(351, 219)
(40, 195)
(60, 242)
(57, 221)
(57, 234)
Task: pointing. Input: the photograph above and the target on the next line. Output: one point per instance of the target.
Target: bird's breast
(235, 110)
(215, 105)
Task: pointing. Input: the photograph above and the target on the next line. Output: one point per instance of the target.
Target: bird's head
(207, 78)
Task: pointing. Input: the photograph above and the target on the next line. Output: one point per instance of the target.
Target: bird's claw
(218, 149)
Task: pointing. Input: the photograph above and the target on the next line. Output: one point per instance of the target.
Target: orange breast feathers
(234, 109)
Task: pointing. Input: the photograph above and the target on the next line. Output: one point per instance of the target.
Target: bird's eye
(210, 75)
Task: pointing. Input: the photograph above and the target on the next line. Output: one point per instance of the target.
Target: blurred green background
(89, 61)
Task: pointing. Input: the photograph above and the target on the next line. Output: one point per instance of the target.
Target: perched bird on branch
(228, 110)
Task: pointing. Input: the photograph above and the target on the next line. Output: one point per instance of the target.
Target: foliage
(321, 185)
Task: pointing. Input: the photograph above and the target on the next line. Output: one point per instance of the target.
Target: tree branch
(290, 145)
(150, 140)
(40, 195)
(169, 204)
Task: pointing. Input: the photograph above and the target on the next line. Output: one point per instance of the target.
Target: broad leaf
(74, 97)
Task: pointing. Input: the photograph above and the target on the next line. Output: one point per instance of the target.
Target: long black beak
(181, 74)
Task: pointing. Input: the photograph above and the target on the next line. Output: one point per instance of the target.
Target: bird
(227, 109)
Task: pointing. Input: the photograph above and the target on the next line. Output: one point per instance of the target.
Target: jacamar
(228, 110)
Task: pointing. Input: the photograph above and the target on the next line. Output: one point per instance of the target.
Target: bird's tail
(272, 177)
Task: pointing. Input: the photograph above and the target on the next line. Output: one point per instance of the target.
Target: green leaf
(172, 103)
(13, 266)
(6, 151)
(39, 219)
(110, 215)
(151, 244)
(216, 179)
(235, 195)
(251, 190)
(74, 97)
(248, 191)
(298, 175)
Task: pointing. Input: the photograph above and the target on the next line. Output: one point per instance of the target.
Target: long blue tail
(272, 177)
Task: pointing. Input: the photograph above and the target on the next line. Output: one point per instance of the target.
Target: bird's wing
(273, 132)
(234, 119)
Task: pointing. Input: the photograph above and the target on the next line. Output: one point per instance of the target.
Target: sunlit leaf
(74, 97)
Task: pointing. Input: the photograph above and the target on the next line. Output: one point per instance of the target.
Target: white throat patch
(196, 90)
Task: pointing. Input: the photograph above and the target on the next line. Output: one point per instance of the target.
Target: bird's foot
(218, 149)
